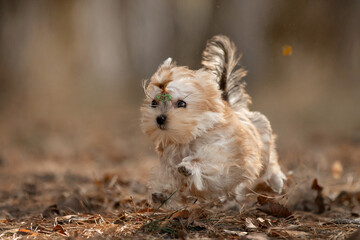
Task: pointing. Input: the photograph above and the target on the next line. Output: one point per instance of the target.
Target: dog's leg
(162, 185)
(274, 176)
(186, 171)
(186, 166)
(189, 167)
(240, 192)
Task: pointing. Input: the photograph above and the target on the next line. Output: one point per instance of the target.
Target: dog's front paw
(158, 197)
(184, 171)
(276, 181)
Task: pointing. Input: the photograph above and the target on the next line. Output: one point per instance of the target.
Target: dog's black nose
(161, 119)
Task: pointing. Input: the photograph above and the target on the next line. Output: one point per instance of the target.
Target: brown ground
(88, 179)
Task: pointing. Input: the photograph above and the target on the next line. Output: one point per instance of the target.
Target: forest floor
(84, 182)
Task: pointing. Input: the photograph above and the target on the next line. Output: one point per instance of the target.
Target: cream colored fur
(211, 149)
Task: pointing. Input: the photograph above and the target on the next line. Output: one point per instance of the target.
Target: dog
(211, 146)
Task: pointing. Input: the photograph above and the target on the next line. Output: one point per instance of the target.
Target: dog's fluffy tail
(220, 58)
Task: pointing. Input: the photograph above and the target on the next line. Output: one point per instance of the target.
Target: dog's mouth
(161, 127)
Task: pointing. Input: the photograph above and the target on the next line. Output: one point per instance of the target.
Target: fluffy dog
(210, 145)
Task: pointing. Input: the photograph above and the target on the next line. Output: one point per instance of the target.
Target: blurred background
(71, 71)
(70, 93)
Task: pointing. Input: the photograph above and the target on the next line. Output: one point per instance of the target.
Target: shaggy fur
(213, 147)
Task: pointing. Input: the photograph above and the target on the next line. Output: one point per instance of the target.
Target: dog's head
(180, 104)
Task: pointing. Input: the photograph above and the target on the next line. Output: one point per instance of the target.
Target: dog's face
(180, 104)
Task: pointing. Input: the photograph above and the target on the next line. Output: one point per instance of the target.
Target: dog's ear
(167, 62)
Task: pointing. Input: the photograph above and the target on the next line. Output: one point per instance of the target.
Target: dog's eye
(154, 104)
(181, 104)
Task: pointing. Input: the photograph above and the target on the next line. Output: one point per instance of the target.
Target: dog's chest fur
(217, 153)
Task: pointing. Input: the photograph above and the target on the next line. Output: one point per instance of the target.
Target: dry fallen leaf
(184, 214)
(315, 186)
(237, 233)
(51, 211)
(273, 208)
(337, 170)
(319, 200)
(348, 198)
(249, 224)
(194, 212)
(257, 236)
(23, 231)
(263, 200)
(59, 229)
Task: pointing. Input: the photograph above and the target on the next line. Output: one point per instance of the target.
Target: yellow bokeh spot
(287, 50)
